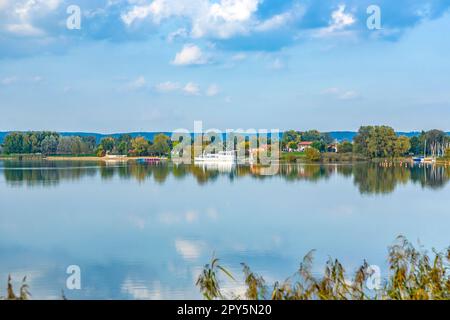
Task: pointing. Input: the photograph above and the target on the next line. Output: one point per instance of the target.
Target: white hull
(221, 157)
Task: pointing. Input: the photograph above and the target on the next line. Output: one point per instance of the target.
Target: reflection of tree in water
(369, 178)
(306, 172)
(374, 179)
(434, 177)
(34, 173)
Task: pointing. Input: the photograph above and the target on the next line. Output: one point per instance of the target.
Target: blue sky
(151, 65)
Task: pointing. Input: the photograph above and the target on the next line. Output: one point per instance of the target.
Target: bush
(291, 158)
(447, 154)
(312, 154)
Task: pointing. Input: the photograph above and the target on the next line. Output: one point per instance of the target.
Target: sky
(160, 65)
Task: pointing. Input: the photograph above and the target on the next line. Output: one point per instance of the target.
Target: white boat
(220, 157)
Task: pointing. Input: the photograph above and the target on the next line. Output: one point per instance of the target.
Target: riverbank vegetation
(370, 142)
(413, 275)
(51, 143)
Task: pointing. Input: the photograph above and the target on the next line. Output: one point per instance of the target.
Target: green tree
(417, 145)
(345, 147)
(360, 141)
(13, 143)
(108, 144)
(140, 146)
(90, 143)
(312, 154)
(437, 142)
(289, 136)
(319, 145)
(447, 154)
(100, 151)
(378, 141)
(49, 145)
(402, 146)
(161, 145)
(124, 144)
(293, 145)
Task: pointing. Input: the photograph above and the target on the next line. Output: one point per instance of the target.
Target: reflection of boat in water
(224, 167)
(424, 160)
(222, 157)
(114, 159)
(148, 160)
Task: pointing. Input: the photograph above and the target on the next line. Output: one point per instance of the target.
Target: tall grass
(24, 293)
(413, 275)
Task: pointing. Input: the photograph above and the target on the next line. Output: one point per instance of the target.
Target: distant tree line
(382, 141)
(52, 143)
(372, 142)
(320, 140)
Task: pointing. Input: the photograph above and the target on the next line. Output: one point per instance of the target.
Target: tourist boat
(221, 156)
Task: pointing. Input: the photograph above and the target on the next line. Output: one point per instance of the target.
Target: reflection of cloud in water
(137, 221)
(189, 249)
(139, 291)
(189, 216)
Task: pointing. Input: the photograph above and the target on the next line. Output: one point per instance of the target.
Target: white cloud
(282, 19)
(277, 64)
(167, 86)
(348, 95)
(212, 90)
(36, 79)
(332, 90)
(8, 80)
(180, 33)
(20, 15)
(239, 57)
(340, 19)
(225, 18)
(24, 29)
(138, 83)
(192, 88)
(341, 94)
(221, 19)
(137, 12)
(189, 55)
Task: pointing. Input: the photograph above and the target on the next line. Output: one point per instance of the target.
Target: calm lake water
(145, 231)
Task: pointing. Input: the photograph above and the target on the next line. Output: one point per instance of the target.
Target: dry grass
(24, 293)
(413, 275)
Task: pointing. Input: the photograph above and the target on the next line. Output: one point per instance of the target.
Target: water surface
(145, 231)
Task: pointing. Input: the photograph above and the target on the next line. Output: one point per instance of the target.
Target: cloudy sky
(150, 65)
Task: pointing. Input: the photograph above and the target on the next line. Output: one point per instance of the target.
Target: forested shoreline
(370, 142)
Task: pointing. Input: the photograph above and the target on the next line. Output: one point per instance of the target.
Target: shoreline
(81, 158)
(102, 159)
